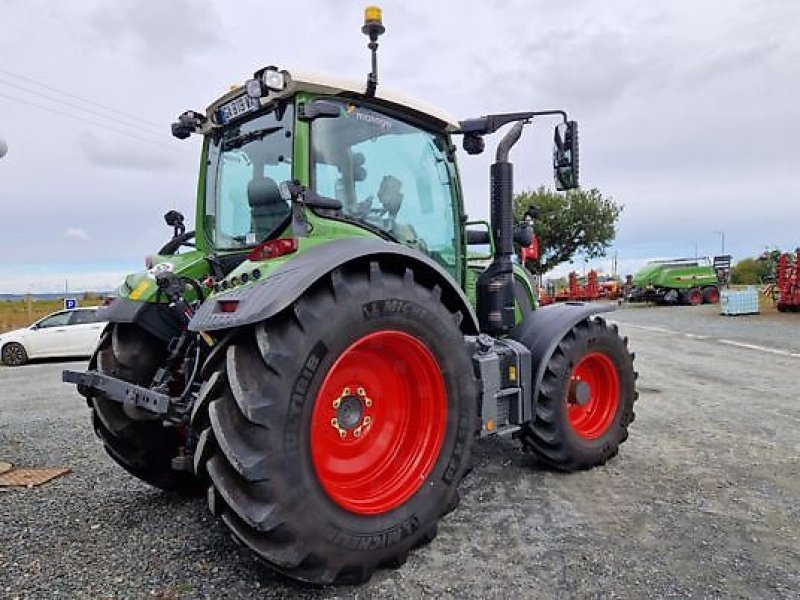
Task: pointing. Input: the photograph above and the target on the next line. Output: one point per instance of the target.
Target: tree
(748, 271)
(578, 221)
(753, 271)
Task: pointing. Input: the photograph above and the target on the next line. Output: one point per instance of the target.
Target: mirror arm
(491, 123)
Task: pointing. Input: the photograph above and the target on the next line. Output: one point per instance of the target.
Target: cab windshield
(388, 175)
(246, 163)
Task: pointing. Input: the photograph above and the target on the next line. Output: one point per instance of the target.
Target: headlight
(273, 79)
(253, 87)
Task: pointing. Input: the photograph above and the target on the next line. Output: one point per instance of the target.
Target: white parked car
(66, 333)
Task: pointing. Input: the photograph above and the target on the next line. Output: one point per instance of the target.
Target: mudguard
(156, 319)
(266, 298)
(541, 330)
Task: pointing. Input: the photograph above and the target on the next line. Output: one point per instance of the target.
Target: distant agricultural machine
(578, 289)
(681, 281)
(788, 283)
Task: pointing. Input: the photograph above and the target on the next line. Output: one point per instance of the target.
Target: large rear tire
(342, 427)
(142, 447)
(585, 400)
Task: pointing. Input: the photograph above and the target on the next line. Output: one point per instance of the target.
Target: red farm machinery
(788, 282)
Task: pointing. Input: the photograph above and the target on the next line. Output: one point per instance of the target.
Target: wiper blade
(241, 140)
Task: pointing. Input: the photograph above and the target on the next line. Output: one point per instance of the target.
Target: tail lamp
(273, 249)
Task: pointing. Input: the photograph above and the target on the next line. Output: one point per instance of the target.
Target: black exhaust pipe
(495, 288)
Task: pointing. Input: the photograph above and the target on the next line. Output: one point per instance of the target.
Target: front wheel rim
(378, 423)
(593, 395)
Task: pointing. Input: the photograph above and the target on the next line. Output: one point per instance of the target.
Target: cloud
(77, 234)
(727, 60)
(161, 32)
(126, 153)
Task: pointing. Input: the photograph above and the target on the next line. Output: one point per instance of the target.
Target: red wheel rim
(695, 297)
(379, 421)
(593, 395)
(713, 296)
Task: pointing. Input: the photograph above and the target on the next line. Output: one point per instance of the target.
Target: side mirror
(479, 237)
(175, 220)
(319, 109)
(566, 156)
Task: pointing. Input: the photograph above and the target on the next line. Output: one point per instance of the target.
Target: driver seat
(267, 208)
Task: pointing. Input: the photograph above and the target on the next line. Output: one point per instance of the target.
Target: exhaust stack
(495, 288)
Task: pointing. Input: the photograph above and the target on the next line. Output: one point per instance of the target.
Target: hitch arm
(119, 391)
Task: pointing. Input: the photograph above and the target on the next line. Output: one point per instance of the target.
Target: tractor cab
(310, 159)
(381, 166)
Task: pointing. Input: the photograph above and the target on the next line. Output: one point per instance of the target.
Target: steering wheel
(171, 247)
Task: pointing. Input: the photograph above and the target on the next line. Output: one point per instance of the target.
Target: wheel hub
(579, 392)
(351, 412)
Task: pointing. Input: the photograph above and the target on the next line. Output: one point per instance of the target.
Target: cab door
(391, 176)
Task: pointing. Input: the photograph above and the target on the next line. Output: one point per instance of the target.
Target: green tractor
(321, 353)
(690, 281)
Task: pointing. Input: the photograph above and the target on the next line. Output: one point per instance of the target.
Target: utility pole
(722, 234)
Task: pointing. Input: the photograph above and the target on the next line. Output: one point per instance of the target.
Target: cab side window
(389, 175)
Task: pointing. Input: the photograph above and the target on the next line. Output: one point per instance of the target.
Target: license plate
(236, 108)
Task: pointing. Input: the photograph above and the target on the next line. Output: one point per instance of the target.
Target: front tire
(144, 448)
(585, 400)
(344, 427)
(14, 354)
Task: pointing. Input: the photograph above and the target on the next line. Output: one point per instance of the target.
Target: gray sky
(688, 111)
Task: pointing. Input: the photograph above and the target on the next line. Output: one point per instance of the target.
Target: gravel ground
(703, 499)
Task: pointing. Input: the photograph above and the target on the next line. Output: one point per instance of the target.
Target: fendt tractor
(692, 281)
(321, 353)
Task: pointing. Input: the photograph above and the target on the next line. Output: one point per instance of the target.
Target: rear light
(273, 249)
(228, 306)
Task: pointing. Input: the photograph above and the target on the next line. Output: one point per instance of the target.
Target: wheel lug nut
(361, 391)
(367, 402)
(337, 403)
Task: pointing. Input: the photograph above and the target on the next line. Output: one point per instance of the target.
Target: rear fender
(157, 319)
(541, 331)
(266, 298)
